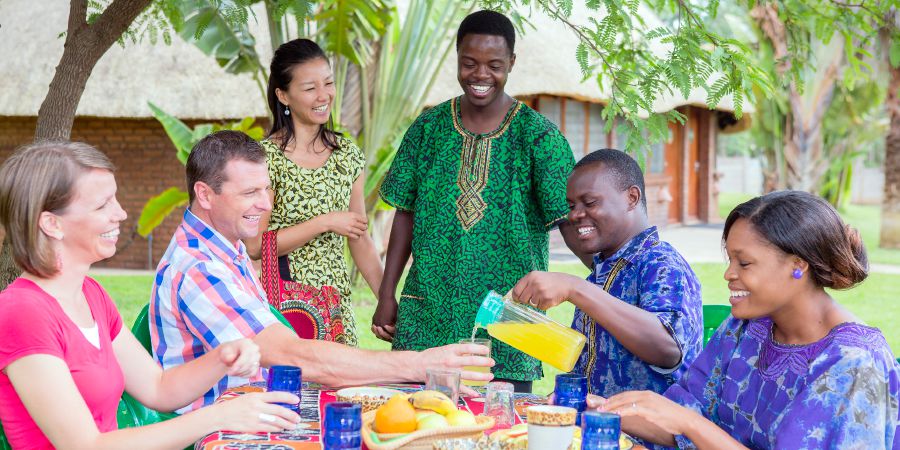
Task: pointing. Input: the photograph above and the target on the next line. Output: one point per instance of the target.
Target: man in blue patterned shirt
(641, 306)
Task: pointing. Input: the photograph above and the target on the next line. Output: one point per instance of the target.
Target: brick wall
(146, 165)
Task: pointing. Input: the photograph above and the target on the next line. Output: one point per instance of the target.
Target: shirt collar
(213, 238)
(643, 240)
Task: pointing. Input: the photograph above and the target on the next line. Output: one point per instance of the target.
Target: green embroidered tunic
(302, 194)
(483, 204)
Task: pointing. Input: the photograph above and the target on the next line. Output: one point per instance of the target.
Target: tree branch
(77, 16)
(115, 20)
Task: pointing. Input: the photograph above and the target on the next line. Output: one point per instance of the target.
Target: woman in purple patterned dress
(791, 368)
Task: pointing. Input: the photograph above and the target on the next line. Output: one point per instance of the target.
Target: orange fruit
(395, 416)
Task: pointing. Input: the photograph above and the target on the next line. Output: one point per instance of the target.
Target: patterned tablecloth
(312, 405)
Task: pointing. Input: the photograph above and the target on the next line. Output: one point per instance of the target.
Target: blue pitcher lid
(490, 309)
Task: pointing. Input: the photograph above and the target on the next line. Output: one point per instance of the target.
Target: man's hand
(544, 290)
(241, 357)
(455, 357)
(384, 321)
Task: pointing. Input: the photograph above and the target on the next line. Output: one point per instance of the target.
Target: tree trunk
(84, 46)
(803, 140)
(890, 208)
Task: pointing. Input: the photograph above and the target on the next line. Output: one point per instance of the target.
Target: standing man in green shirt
(478, 182)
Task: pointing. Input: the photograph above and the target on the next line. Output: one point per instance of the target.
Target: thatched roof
(188, 84)
(179, 78)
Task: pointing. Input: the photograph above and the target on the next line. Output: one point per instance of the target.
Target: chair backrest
(132, 413)
(141, 328)
(713, 316)
(4, 444)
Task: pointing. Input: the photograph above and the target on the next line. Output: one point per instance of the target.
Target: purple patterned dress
(838, 393)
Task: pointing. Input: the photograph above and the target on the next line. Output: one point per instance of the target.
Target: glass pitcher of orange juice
(530, 331)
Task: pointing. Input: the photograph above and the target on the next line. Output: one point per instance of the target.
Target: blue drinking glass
(600, 431)
(571, 390)
(286, 379)
(343, 422)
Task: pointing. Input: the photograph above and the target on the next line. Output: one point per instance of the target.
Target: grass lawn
(865, 218)
(872, 302)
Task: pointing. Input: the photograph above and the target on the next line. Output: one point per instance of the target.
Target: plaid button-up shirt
(205, 293)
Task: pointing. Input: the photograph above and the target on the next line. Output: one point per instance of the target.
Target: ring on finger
(633, 405)
(532, 303)
(266, 417)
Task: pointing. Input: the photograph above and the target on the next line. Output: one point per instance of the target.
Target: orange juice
(482, 369)
(549, 341)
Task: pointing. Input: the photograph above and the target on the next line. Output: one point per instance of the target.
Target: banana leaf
(158, 208)
(219, 29)
(180, 134)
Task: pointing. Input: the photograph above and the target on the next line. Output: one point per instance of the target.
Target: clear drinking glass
(446, 381)
(482, 369)
(500, 403)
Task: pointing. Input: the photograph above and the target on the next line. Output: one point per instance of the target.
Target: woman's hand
(241, 357)
(346, 223)
(652, 407)
(256, 412)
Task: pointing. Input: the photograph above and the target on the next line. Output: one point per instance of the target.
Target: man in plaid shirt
(206, 291)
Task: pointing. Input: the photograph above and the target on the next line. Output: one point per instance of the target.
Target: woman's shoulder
(856, 344)
(270, 147)
(23, 300)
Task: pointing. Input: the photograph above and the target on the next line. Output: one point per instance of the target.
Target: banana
(432, 400)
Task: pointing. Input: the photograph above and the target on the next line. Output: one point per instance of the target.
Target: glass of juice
(482, 369)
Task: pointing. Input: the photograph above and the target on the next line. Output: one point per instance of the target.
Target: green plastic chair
(4, 444)
(131, 413)
(713, 316)
(141, 328)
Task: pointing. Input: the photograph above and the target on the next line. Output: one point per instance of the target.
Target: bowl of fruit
(414, 421)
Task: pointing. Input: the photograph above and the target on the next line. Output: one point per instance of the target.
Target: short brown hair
(36, 178)
(208, 158)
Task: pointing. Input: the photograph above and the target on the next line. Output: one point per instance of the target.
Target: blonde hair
(36, 178)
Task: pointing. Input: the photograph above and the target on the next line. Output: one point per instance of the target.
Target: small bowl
(369, 398)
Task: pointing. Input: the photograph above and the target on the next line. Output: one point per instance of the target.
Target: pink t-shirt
(32, 322)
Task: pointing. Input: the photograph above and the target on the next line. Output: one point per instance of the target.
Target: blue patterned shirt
(653, 276)
(840, 392)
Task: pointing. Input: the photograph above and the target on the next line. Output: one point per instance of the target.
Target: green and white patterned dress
(302, 194)
(483, 204)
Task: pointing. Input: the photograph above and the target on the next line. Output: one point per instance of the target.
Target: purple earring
(797, 274)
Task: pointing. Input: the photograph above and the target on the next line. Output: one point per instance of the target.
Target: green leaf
(347, 27)
(219, 29)
(180, 134)
(581, 55)
(894, 54)
(158, 208)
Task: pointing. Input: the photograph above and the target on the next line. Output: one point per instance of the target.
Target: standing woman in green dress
(478, 182)
(317, 186)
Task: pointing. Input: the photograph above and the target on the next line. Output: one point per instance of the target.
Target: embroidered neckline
(776, 358)
(474, 166)
(456, 112)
